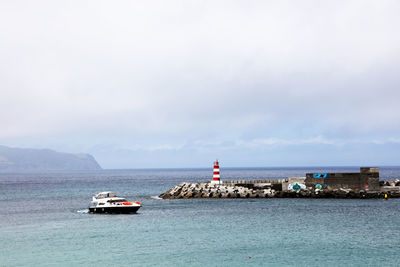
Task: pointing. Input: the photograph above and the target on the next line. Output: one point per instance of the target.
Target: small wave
(83, 211)
(156, 197)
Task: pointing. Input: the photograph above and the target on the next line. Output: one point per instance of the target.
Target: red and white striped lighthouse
(216, 177)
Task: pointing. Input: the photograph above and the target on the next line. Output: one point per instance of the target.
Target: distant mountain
(23, 159)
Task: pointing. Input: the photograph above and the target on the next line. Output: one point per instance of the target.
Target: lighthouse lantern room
(216, 176)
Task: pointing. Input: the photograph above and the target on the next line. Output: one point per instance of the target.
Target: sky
(178, 84)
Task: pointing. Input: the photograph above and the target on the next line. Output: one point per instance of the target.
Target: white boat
(109, 202)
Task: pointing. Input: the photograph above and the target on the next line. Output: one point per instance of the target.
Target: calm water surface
(43, 222)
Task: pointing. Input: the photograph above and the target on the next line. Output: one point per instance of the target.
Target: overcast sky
(143, 84)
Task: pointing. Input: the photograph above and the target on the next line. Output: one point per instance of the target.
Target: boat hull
(123, 209)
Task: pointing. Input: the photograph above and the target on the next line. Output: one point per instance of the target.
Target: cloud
(160, 75)
(279, 141)
(242, 144)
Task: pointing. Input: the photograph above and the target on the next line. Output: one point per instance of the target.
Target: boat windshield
(105, 195)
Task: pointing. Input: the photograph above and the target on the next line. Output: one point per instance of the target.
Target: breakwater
(283, 188)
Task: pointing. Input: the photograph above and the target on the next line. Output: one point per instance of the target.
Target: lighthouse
(216, 176)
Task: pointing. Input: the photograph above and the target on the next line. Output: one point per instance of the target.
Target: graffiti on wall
(321, 186)
(320, 175)
(296, 186)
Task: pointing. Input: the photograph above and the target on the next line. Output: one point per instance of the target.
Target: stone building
(366, 179)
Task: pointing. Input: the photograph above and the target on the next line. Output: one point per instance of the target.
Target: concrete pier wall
(366, 179)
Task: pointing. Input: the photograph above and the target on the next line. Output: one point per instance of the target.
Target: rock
(205, 195)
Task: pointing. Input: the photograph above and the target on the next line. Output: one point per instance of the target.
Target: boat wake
(156, 197)
(83, 211)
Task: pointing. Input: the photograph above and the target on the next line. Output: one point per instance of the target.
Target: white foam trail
(156, 197)
(83, 211)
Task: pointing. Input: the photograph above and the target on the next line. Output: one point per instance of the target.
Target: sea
(44, 221)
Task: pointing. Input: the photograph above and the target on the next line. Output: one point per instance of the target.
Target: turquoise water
(43, 222)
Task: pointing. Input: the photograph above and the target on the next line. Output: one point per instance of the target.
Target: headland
(40, 160)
